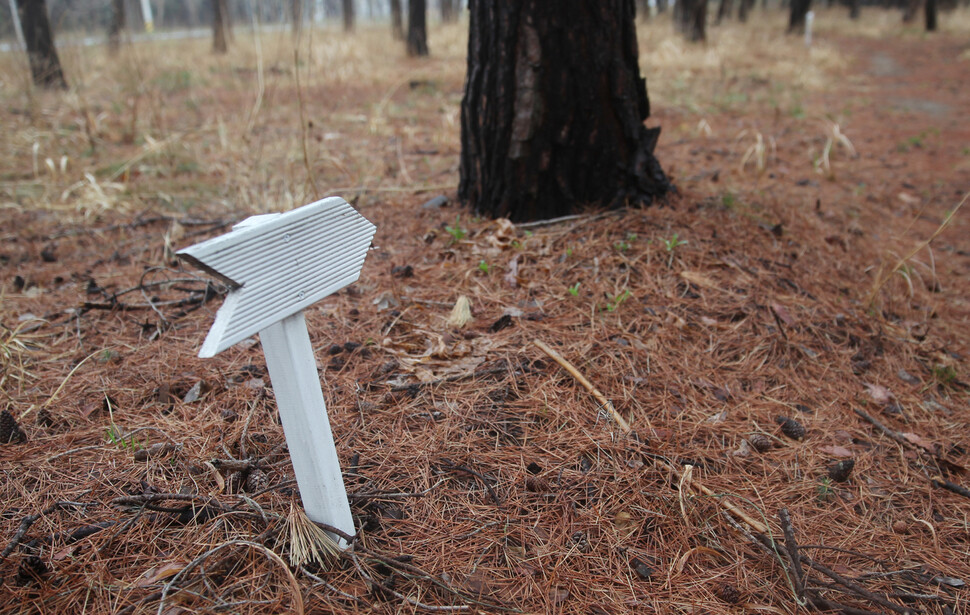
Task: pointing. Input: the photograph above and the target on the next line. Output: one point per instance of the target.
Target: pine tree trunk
(116, 26)
(553, 110)
(417, 29)
(643, 9)
(690, 17)
(397, 21)
(744, 10)
(723, 11)
(796, 19)
(348, 13)
(45, 65)
(930, 8)
(220, 22)
(449, 14)
(296, 15)
(853, 9)
(661, 6)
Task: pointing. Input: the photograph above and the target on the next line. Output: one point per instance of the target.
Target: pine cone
(760, 442)
(791, 428)
(839, 472)
(256, 481)
(728, 593)
(10, 431)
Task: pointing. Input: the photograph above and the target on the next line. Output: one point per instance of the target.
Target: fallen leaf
(154, 575)
(512, 276)
(461, 314)
(194, 393)
(915, 439)
(782, 313)
(698, 279)
(880, 394)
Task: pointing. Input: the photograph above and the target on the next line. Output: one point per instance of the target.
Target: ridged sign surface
(278, 264)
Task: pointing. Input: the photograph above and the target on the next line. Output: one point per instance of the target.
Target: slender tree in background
(417, 28)
(930, 10)
(853, 9)
(296, 15)
(744, 10)
(116, 26)
(661, 6)
(397, 21)
(643, 9)
(350, 18)
(552, 117)
(910, 10)
(449, 11)
(796, 18)
(45, 65)
(690, 18)
(220, 26)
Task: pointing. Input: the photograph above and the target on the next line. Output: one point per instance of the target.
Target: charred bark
(552, 118)
(397, 21)
(116, 26)
(796, 18)
(347, 8)
(220, 25)
(930, 10)
(417, 28)
(45, 65)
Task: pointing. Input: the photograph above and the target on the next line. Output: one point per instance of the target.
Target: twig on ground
(569, 367)
(29, 520)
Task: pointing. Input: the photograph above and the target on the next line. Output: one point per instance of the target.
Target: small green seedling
(574, 290)
(484, 268)
(569, 252)
(627, 243)
(824, 489)
(457, 232)
(674, 242)
(618, 300)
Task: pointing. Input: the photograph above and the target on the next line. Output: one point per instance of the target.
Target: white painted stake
(15, 16)
(146, 11)
(809, 20)
(277, 265)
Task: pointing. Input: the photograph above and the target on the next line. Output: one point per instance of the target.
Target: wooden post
(277, 265)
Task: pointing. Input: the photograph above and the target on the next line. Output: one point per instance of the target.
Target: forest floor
(790, 332)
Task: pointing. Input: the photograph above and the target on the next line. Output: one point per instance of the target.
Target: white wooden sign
(276, 265)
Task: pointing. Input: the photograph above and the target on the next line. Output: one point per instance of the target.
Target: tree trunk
(449, 11)
(690, 16)
(930, 8)
(397, 22)
(553, 111)
(45, 66)
(723, 10)
(643, 9)
(911, 10)
(296, 15)
(417, 30)
(349, 16)
(853, 9)
(796, 19)
(220, 23)
(744, 10)
(116, 26)
(661, 6)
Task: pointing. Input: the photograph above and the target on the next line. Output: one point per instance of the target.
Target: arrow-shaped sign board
(276, 265)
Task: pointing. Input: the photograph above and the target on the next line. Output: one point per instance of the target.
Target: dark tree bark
(723, 11)
(661, 6)
(796, 18)
(220, 25)
(349, 16)
(397, 22)
(552, 119)
(116, 26)
(744, 10)
(690, 16)
(911, 10)
(853, 9)
(417, 28)
(45, 65)
(930, 8)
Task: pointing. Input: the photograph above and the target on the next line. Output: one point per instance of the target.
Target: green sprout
(457, 232)
(618, 300)
(574, 290)
(674, 242)
(483, 267)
